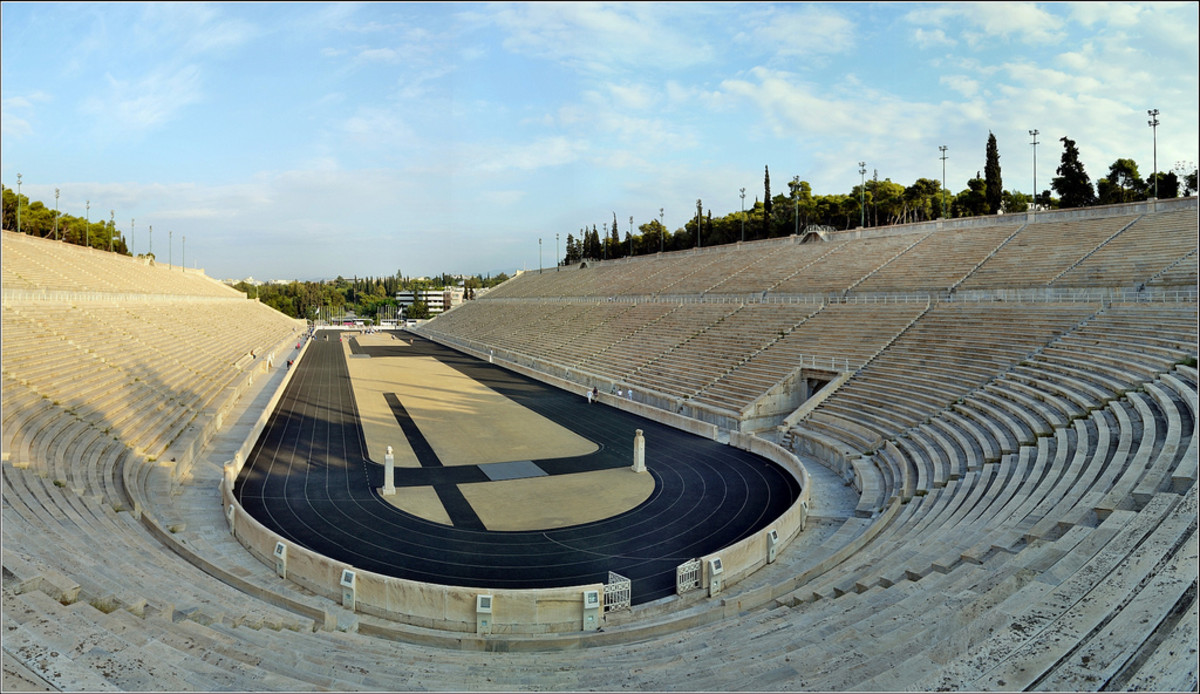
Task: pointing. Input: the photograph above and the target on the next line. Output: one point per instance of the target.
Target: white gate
(687, 576)
(617, 592)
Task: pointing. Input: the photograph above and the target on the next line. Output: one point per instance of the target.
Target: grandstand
(999, 416)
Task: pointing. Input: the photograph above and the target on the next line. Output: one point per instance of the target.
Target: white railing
(617, 592)
(1074, 295)
(1026, 295)
(687, 576)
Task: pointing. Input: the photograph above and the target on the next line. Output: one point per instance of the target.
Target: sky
(310, 140)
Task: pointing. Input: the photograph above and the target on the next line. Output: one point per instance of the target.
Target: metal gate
(687, 576)
(617, 592)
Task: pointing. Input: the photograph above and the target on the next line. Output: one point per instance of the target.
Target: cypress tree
(766, 220)
(991, 172)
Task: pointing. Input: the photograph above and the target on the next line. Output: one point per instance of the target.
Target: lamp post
(18, 203)
(112, 228)
(743, 194)
(131, 241)
(630, 236)
(943, 148)
(662, 232)
(539, 255)
(862, 197)
(1153, 123)
(604, 243)
(170, 247)
(796, 198)
(183, 255)
(1034, 134)
(151, 251)
(699, 216)
(87, 225)
(56, 214)
(557, 257)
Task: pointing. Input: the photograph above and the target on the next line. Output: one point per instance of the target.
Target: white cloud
(811, 30)
(932, 38)
(149, 102)
(16, 111)
(602, 38)
(633, 96)
(378, 128)
(979, 23)
(963, 85)
(378, 55)
(541, 153)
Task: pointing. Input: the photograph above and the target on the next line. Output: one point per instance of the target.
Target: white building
(438, 300)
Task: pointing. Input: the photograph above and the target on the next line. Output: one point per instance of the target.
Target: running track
(308, 479)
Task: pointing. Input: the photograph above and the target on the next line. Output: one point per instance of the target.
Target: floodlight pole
(662, 232)
(557, 257)
(862, 196)
(539, 255)
(18, 203)
(743, 192)
(943, 148)
(1153, 123)
(630, 236)
(87, 224)
(796, 198)
(170, 247)
(131, 242)
(1034, 133)
(56, 214)
(112, 223)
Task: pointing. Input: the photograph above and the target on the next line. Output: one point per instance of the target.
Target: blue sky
(301, 141)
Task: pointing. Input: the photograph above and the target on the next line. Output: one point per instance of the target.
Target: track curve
(309, 479)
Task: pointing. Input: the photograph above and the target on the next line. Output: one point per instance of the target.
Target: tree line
(38, 220)
(877, 203)
(364, 296)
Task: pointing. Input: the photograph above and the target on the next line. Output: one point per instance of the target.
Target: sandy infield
(467, 423)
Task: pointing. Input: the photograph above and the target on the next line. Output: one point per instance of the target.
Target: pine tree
(991, 172)
(1072, 184)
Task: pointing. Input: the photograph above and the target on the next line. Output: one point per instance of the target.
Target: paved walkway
(485, 509)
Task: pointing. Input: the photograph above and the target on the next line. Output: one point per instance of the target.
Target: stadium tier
(999, 417)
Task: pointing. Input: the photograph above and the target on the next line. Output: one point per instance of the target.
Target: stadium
(987, 427)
